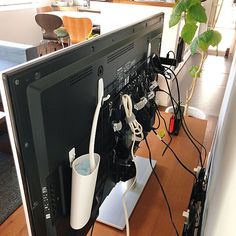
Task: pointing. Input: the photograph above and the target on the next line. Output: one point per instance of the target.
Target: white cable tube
(84, 175)
(82, 191)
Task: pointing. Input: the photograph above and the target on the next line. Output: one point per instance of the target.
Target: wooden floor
(15, 224)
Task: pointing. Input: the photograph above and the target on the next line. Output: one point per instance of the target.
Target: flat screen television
(49, 105)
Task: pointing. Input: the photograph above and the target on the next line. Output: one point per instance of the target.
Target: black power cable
(159, 122)
(171, 97)
(91, 232)
(185, 124)
(158, 113)
(162, 189)
(182, 118)
(189, 134)
(178, 110)
(177, 158)
(177, 84)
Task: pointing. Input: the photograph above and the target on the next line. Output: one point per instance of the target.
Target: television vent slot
(120, 52)
(80, 75)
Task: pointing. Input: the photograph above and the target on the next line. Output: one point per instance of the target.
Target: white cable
(136, 128)
(137, 131)
(124, 204)
(94, 125)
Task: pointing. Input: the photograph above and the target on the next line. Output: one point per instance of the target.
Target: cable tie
(162, 133)
(130, 119)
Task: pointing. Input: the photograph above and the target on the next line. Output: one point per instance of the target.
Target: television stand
(113, 202)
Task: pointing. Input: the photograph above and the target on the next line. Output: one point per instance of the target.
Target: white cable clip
(197, 170)
(186, 216)
(149, 51)
(106, 98)
(151, 95)
(153, 85)
(117, 126)
(141, 104)
(71, 156)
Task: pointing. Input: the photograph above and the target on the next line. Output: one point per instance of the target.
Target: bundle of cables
(137, 135)
(168, 73)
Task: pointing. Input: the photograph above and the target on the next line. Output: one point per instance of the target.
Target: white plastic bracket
(106, 98)
(151, 95)
(141, 104)
(71, 156)
(153, 85)
(149, 50)
(197, 170)
(117, 126)
(186, 216)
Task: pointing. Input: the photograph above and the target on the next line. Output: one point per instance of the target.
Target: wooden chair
(79, 29)
(50, 24)
(44, 9)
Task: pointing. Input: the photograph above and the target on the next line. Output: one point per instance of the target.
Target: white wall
(120, 15)
(220, 208)
(18, 25)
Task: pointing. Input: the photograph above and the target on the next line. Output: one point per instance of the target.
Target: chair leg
(62, 42)
(46, 49)
(40, 51)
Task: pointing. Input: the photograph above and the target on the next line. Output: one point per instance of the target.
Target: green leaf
(205, 40)
(174, 20)
(178, 9)
(209, 37)
(194, 46)
(189, 19)
(188, 32)
(216, 38)
(203, 44)
(189, 3)
(197, 12)
(193, 71)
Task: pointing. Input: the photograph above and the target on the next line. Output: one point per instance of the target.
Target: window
(14, 2)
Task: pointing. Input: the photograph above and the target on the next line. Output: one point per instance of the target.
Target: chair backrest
(79, 29)
(49, 23)
(44, 9)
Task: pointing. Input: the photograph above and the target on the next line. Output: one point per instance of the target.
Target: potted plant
(194, 14)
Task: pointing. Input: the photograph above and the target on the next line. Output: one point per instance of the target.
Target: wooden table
(150, 216)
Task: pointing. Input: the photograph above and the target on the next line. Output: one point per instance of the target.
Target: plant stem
(190, 91)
